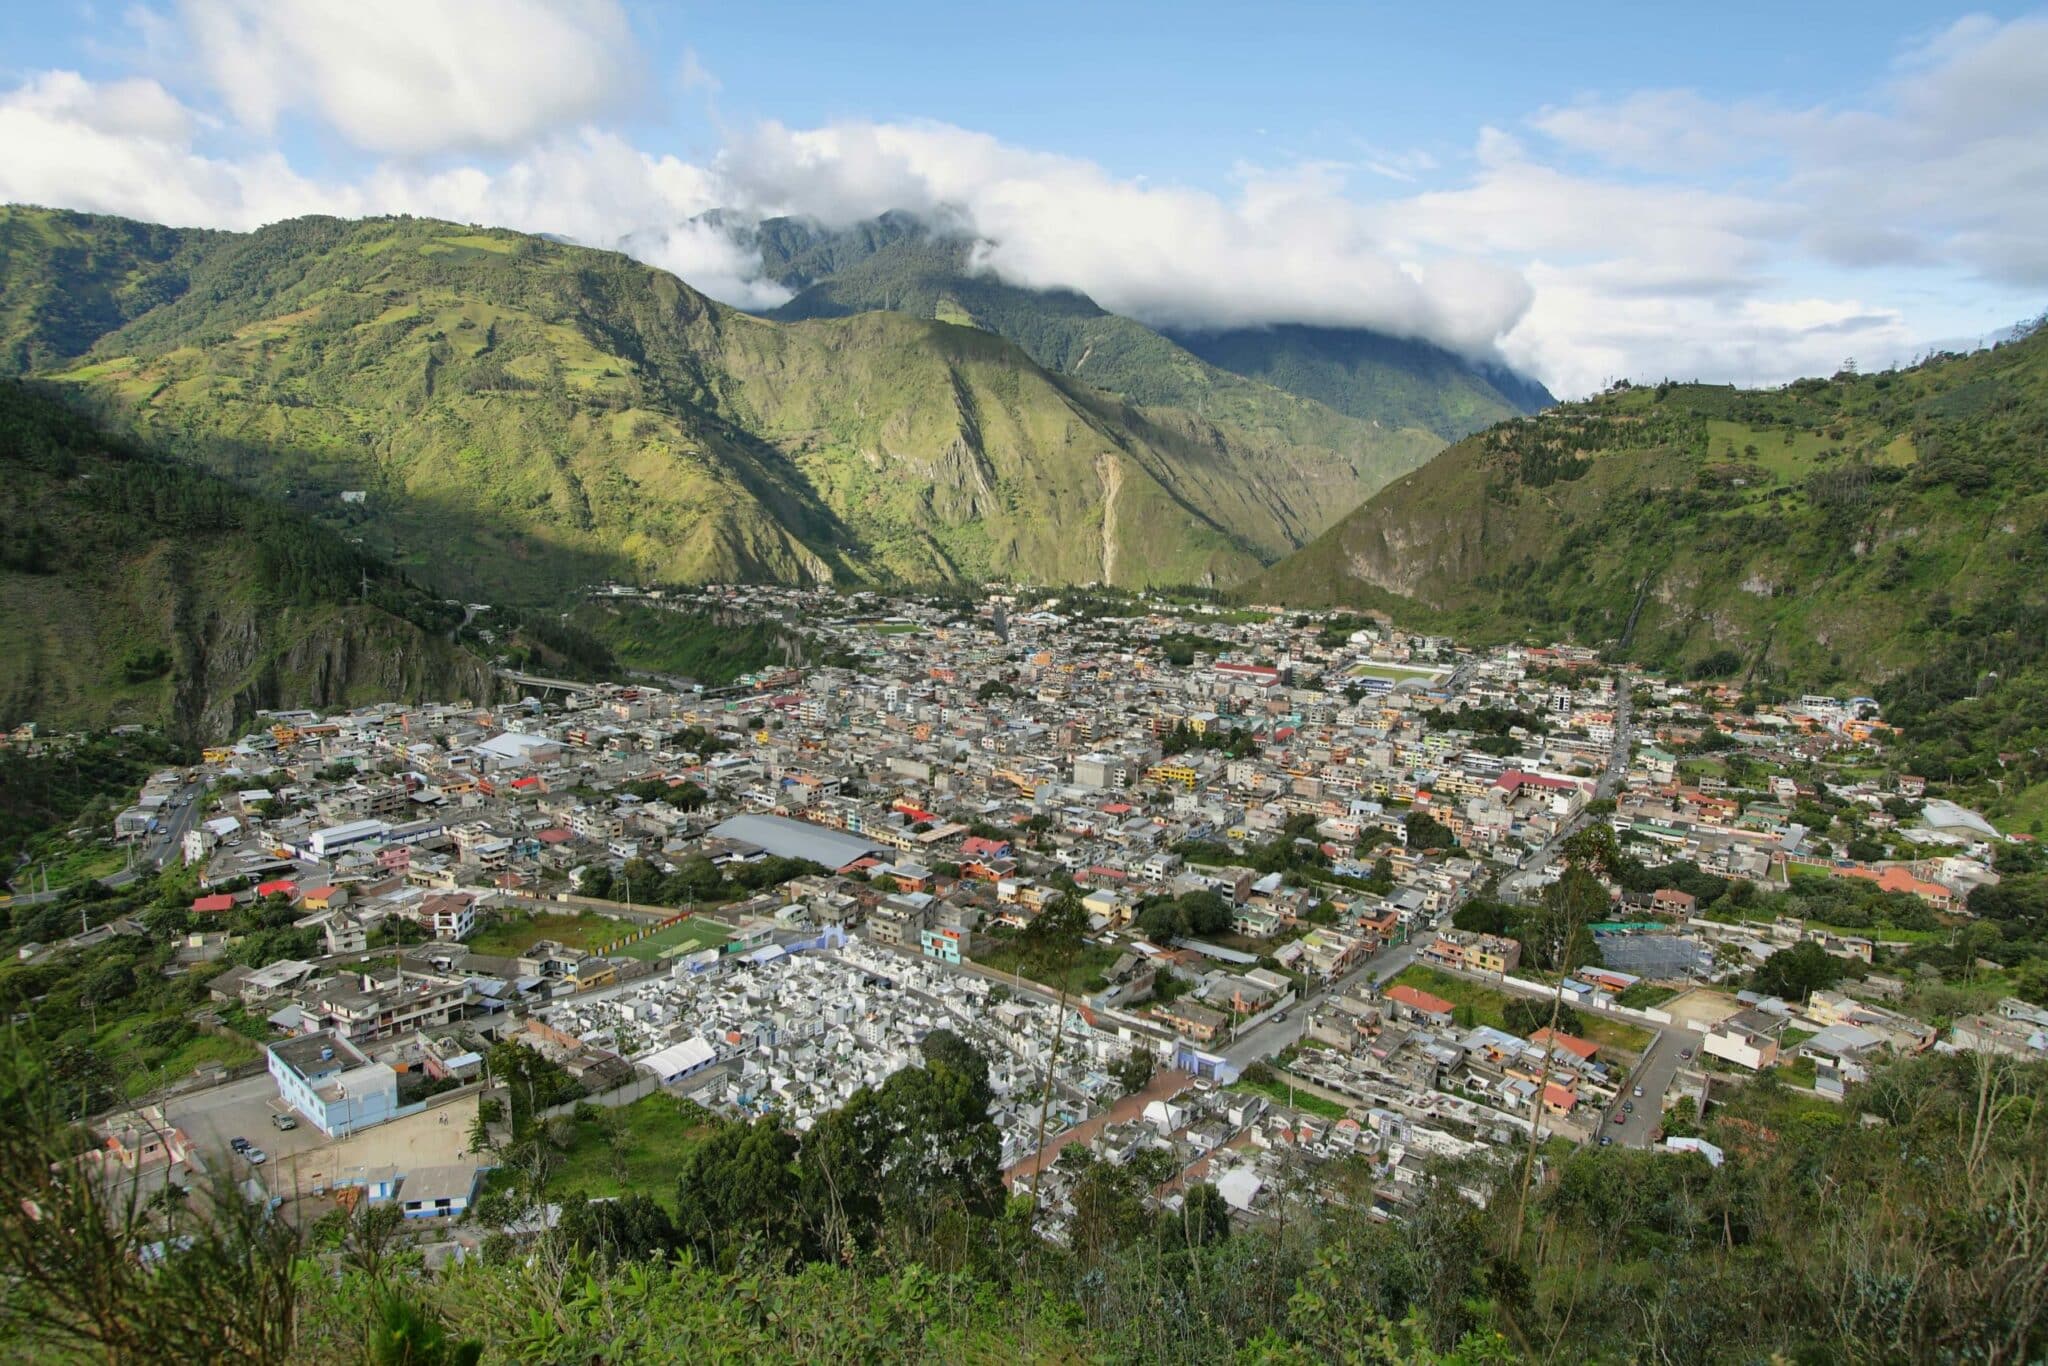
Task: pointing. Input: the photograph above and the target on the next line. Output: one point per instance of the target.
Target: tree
(1427, 832)
(1484, 915)
(1050, 944)
(1525, 1015)
(1204, 1215)
(1793, 973)
(1204, 913)
(738, 1184)
(1134, 1070)
(371, 1234)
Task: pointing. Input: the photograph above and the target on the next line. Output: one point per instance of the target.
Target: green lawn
(1086, 974)
(685, 937)
(640, 1154)
(1277, 1092)
(1486, 1003)
(515, 932)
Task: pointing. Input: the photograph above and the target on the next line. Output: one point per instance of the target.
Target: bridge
(526, 680)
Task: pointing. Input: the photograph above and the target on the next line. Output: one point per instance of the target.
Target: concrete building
(333, 1084)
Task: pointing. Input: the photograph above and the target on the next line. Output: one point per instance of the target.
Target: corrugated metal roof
(788, 838)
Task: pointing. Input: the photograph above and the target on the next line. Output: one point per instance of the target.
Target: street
(1525, 880)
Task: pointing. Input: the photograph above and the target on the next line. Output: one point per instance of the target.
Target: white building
(329, 1081)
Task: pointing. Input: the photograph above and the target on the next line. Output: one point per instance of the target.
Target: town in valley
(1319, 873)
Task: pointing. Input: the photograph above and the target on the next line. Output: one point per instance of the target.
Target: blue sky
(1740, 192)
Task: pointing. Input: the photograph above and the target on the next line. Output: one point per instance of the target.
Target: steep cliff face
(136, 590)
(247, 660)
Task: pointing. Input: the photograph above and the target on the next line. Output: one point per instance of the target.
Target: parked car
(257, 1157)
(239, 1144)
(1607, 1140)
(1685, 1054)
(1628, 1107)
(1620, 1118)
(1639, 1090)
(286, 1123)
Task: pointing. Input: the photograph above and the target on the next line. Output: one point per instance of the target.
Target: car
(1620, 1118)
(1639, 1090)
(1281, 1018)
(239, 1144)
(1685, 1054)
(284, 1123)
(1628, 1107)
(256, 1156)
(1607, 1140)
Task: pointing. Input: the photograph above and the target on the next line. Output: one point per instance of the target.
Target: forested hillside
(524, 417)
(1403, 398)
(135, 589)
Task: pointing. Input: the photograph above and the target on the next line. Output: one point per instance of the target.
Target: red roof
(1557, 1097)
(276, 886)
(319, 892)
(219, 901)
(1565, 1043)
(554, 835)
(1418, 1000)
(525, 782)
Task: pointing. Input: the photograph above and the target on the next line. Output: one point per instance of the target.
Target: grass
(685, 937)
(652, 1135)
(144, 1067)
(1086, 974)
(1484, 1002)
(515, 933)
(1486, 1007)
(1276, 1091)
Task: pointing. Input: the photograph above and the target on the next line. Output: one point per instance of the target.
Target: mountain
(1371, 375)
(137, 589)
(71, 278)
(525, 416)
(1838, 530)
(1395, 389)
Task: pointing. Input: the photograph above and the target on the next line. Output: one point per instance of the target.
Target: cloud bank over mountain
(1642, 234)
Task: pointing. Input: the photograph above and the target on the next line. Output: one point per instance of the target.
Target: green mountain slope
(1257, 378)
(525, 416)
(1371, 375)
(133, 589)
(1826, 531)
(71, 278)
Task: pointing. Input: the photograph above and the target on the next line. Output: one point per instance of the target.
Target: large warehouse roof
(786, 838)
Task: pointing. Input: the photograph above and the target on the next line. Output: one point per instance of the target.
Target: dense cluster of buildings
(922, 807)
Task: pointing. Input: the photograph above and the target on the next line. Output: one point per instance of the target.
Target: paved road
(149, 853)
(1524, 880)
(1273, 1036)
(1653, 1076)
(1653, 1072)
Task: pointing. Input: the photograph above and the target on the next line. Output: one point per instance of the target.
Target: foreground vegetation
(1912, 1235)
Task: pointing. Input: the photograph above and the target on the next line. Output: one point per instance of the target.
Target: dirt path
(1163, 1086)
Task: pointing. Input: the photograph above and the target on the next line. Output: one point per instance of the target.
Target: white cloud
(1653, 233)
(1286, 247)
(409, 77)
(125, 148)
(1950, 163)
